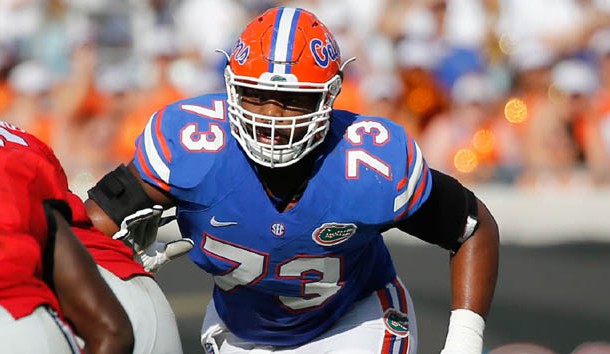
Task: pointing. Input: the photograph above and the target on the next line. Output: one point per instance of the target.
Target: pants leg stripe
(68, 334)
(404, 308)
(394, 296)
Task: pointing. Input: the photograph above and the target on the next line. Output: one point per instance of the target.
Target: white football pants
(153, 321)
(382, 323)
(41, 332)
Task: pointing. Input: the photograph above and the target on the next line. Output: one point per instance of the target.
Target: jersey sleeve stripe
(414, 154)
(401, 184)
(152, 154)
(161, 138)
(419, 192)
(402, 199)
(142, 162)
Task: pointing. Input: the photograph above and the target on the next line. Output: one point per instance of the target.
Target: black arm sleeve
(120, 194)
(47, 257)
(441, 220)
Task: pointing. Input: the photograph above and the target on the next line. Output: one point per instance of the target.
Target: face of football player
(279, 104)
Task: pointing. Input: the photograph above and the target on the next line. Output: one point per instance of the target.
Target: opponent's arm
(84, 297)
(119, 194)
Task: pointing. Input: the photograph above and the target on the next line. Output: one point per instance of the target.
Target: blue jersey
(282, 278)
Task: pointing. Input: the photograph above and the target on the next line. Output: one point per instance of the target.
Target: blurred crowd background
(508, 92)
(502, 91)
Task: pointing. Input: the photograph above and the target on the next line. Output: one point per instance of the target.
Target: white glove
(465, 334)
(139, 230)
(161, 252)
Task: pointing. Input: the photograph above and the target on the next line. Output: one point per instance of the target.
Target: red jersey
(27, 179)
(111, 254)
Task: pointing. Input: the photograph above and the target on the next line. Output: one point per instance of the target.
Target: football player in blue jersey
(285, 200)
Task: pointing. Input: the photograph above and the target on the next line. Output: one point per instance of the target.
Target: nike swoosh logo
(217, 223)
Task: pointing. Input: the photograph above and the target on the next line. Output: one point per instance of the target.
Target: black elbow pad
(120, 194)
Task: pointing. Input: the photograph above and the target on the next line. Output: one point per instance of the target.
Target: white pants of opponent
(153, 321)
(381, 323)
(41, 332)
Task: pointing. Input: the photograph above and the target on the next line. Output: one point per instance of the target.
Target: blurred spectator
(78, 102)
(470, 140)
(202, 36)
(20, 19)
(384, 98)
(598, 129)
(8, 59)
(577, 82)
(423, 98)
(555, 141)
(117, 86)
(564, 28)
(157, 89)
(31, 106)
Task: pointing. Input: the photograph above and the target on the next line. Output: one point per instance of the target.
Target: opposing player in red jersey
(47, 278)
(152, 319)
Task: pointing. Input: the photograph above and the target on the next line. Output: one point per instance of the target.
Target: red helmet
(284, 49)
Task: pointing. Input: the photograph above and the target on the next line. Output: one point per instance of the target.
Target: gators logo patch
(330, 234)
(396, 322)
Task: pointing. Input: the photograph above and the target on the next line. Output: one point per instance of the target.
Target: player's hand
(161, 252)
(139, 230)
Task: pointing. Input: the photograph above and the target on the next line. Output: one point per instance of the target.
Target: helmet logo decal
(240, 52)
(278, 78)
(324, 52)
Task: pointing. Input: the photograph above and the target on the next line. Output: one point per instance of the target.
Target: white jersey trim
(403, 198)
(153, 155)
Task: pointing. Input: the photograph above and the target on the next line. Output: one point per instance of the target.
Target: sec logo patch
(278, 229)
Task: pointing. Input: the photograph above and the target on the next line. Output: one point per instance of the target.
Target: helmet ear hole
(335, 88)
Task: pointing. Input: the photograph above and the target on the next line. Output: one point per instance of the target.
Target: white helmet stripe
(283, 41)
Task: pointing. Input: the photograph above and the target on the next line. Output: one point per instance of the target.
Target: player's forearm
(100, 219)
(474, 268)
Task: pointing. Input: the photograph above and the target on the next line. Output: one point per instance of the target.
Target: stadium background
(510, 96)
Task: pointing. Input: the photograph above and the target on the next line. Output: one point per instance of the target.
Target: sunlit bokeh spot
(507, 44)
(484, 141)
(515, 111)
(465, 160)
